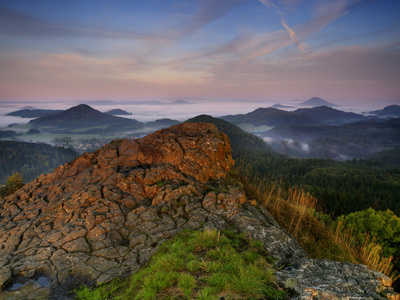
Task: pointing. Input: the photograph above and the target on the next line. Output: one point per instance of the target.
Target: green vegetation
(296, 192)
(61, 138)
(358, 139)
(389, 158)
(298, 212)
(30, 159)
(201, 265)
(238, 138)
(340, 187)
(7, 134)
(384, 226)
(14, 183)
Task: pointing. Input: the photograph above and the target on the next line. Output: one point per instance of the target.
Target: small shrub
(14, 183)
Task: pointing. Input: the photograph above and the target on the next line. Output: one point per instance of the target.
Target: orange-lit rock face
(64, 223)
(196, 150)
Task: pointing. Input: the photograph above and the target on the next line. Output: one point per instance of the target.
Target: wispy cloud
(213, 47)
(248, 46)
(325, 13)
(292, 34)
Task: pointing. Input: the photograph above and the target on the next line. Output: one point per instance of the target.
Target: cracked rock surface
(104, 214)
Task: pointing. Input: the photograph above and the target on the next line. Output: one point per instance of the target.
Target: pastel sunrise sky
(340, 50)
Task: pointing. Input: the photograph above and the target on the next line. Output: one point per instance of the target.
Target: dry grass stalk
(295, 209)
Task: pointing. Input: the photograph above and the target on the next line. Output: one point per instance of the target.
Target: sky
(344, 51)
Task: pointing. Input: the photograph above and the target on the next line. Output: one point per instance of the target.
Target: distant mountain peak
(33, 113)
(388, 111)
(316, 101)
(277, 105)
(331, 116)
(81, 116)
(80, 111)
(118, 112)
(271, 117)
(80, 107)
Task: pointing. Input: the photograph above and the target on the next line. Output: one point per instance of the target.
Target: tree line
(340, 187)
(31, 159)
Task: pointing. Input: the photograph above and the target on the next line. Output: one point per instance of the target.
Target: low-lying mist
(326, 148)
(320, 146)
(143, 111)
(147, 111)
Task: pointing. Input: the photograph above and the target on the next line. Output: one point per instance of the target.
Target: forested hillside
(30, 159)
(271, 117)
(340, 187)
(83, 117)
(33, 113)
(237, 137)
(354, 204)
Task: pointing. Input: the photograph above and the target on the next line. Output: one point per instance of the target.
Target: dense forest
(361, 195)
(31, 160)
(340, 187)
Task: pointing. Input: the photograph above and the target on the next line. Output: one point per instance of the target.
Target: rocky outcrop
(104, 215)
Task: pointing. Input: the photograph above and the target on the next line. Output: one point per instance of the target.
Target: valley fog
(142, 112)
(147, 111)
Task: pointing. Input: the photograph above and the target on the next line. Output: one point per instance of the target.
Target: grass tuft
(207, 293)
(197, 265)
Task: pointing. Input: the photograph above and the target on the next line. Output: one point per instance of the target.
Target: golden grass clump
(299, 213)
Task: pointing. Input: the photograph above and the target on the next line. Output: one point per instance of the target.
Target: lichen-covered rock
(104, 214)
(325, 279)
